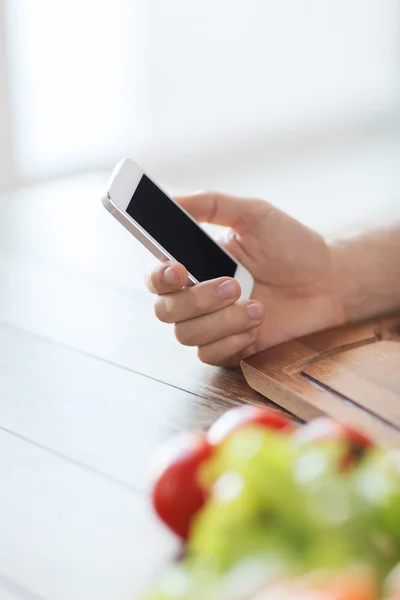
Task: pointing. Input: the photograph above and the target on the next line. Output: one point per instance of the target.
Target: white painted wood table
(91, 383)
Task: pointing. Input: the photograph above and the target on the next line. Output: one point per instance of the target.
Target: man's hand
(295, 291)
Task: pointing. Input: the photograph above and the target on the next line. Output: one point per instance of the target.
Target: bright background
(295, 101)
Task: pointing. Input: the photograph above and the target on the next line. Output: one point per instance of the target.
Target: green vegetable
(277, 508)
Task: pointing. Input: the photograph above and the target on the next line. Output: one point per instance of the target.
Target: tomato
(323, 428)
(247, 415)
(176, 494)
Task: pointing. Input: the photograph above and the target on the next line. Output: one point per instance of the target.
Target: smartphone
(167, 230)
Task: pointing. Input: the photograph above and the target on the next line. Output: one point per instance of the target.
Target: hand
(294, 293)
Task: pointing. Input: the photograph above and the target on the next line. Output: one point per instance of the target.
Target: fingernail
(254, 311)
(227, 290)
(170, 277)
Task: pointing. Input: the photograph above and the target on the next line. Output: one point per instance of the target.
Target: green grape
(245, 516)
(378, 484)
(182, 583)
(286, 508)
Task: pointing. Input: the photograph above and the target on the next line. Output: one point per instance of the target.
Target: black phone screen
(178, 234)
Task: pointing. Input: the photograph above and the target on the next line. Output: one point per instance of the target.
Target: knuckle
(203, 355)
(231, 344)
(163, 309)
(149, 280)
(235, 343)
(207, 356)
(156, 276)
(183, 335)
(198, 302)
(159, 309)
(233, 317)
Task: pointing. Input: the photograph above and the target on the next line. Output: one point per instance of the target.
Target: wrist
(346, 284)
(366, 272)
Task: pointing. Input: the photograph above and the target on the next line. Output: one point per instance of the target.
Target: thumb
(221, 209)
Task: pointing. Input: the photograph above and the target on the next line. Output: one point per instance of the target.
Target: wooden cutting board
(351, 373)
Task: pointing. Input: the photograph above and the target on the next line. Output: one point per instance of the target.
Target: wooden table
(90, 384)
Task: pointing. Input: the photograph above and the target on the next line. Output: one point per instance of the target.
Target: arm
(368, 272)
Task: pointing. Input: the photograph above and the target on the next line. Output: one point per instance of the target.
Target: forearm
(367, 272)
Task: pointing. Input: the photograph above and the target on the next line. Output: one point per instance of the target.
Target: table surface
(90, 384)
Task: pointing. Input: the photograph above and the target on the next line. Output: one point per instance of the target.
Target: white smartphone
(167, 230)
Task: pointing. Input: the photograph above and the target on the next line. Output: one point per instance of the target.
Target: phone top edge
(117, 169)
(122, 185)
(123, 182)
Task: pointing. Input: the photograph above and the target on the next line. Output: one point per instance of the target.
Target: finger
(223, 209)
(237, 358)
(231, 320)
(201, 299)
(220, 352)
(166, 277)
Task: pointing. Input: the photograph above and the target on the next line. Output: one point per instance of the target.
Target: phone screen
(178, 234)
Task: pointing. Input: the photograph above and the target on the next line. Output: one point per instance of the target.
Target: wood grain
(350, 373)
(80, 283)
(93, 427)
(90, 384)
(367, 394)
(100, 415)
(68, 534)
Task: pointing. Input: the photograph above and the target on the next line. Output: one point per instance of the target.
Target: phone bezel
(123, 182)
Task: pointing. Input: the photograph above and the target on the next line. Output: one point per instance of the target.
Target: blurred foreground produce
(270, 512)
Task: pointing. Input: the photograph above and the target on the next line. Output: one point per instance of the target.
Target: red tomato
(247, 415)
(177, 494)
(324, 428)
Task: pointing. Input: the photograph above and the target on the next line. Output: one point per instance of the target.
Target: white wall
(234, 68)
(8, 177)
(172, 81)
